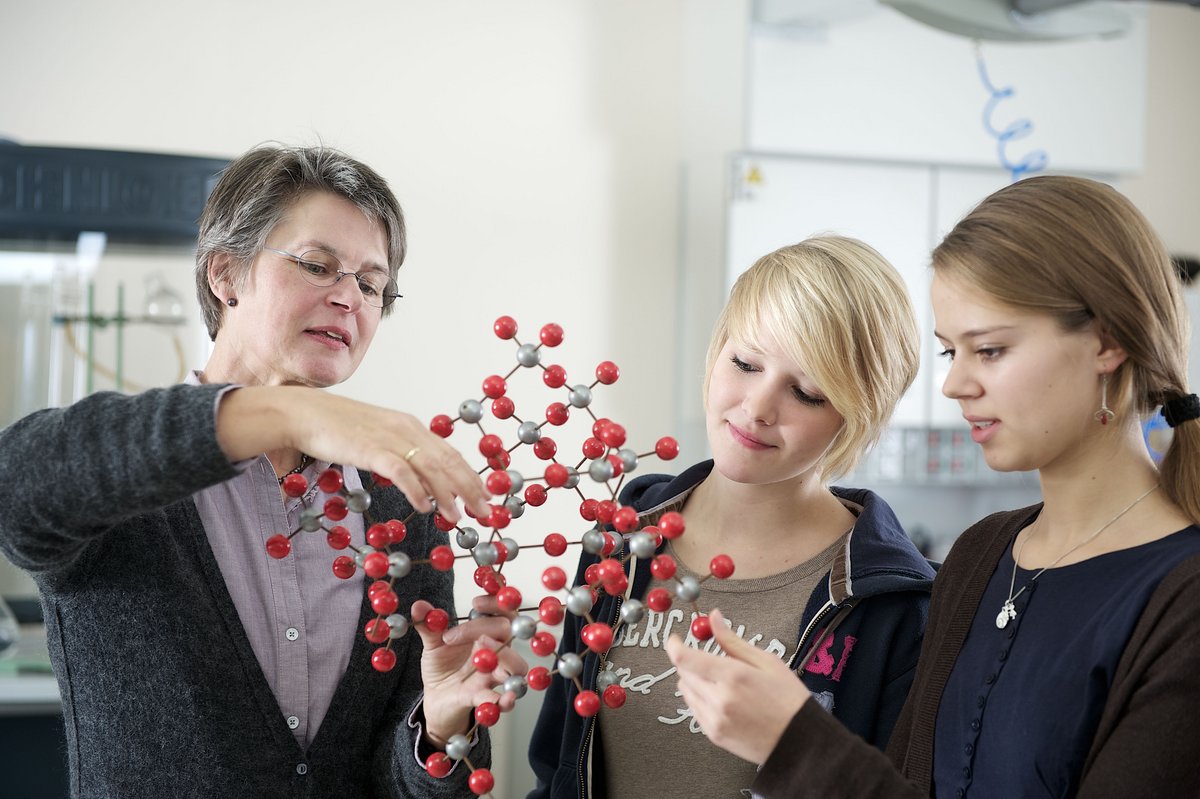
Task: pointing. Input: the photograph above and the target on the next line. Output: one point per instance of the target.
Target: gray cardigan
(162, 694)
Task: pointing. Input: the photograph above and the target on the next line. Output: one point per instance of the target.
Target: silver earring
(1105, 414)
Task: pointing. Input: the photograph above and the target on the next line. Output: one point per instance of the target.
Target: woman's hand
(743, 701)
(393, 444)
(453, 687)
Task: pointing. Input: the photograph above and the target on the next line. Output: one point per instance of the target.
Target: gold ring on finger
(408, 456)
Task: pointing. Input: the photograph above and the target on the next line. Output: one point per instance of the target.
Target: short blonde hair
(837, 305)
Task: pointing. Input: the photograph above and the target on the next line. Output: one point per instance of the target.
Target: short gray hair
(256, 190)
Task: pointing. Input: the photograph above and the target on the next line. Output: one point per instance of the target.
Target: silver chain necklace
(1008, 611)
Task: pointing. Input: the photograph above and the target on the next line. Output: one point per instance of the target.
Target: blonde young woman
(1062, 656)
(816, 345)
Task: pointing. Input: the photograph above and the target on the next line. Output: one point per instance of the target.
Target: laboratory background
(607, 165)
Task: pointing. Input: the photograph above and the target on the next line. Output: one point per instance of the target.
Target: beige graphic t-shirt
(652, 745)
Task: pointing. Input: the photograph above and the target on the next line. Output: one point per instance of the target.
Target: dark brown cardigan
(1148, 740)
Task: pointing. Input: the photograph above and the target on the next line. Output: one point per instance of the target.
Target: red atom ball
(557, 413)
(702, 628)
(666, 448)
(597, 637)
(607, 373)
(535, 495)
(553, 578)
(378, 535)
(442, 558)
(658, 599)
(338, 537)
(503, 408)
(494, 386)
(614, 696)
(330, 481)
(485, 660)
(278, 546)
(481, 781)
(555, 544)
(671, 524)
(545, 448)
(555, 376)
(605, 511)
(505, 327)
(442, 425)
(439, 764)
(500, 517)
(385, 603)
(487, 713)
(625, 519)
(550, 610)
(335, 509)
(377, 631)
(542, 643)
(498, 482)
(663, 567)
(721, 567)
(294, 485)
(383, 659)
(588, 509)
(343, 567)
(593, 448)
(437, 620)
(538, 678)
(587, 704)
(376, 564)
(556, 475)
(490, 445)
(551, 335)
(613, 435)
(508, 598)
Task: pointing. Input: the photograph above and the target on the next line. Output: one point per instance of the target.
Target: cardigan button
(301, 769)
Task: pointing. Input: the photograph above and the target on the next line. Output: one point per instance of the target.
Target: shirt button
(293, 722)
(1003, 654)
(961, 793)
(292, 633)
(301, 769)
(981, 701)
(991, 678)
(968, 750)
(966, 773)
(974, 724)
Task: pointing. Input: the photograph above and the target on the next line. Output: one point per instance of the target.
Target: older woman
(190, 663)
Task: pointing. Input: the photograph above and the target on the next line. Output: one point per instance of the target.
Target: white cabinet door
(779, 201)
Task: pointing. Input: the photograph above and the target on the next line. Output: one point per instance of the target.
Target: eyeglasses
(319, 268)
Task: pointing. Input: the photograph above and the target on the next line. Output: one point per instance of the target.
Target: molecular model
(613, 536)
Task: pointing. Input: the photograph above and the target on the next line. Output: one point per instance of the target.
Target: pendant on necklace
(1007, 613)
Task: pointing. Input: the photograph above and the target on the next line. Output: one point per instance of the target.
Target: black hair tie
(1181, 409)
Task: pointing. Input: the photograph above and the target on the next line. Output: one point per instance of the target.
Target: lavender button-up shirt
(301, 620)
